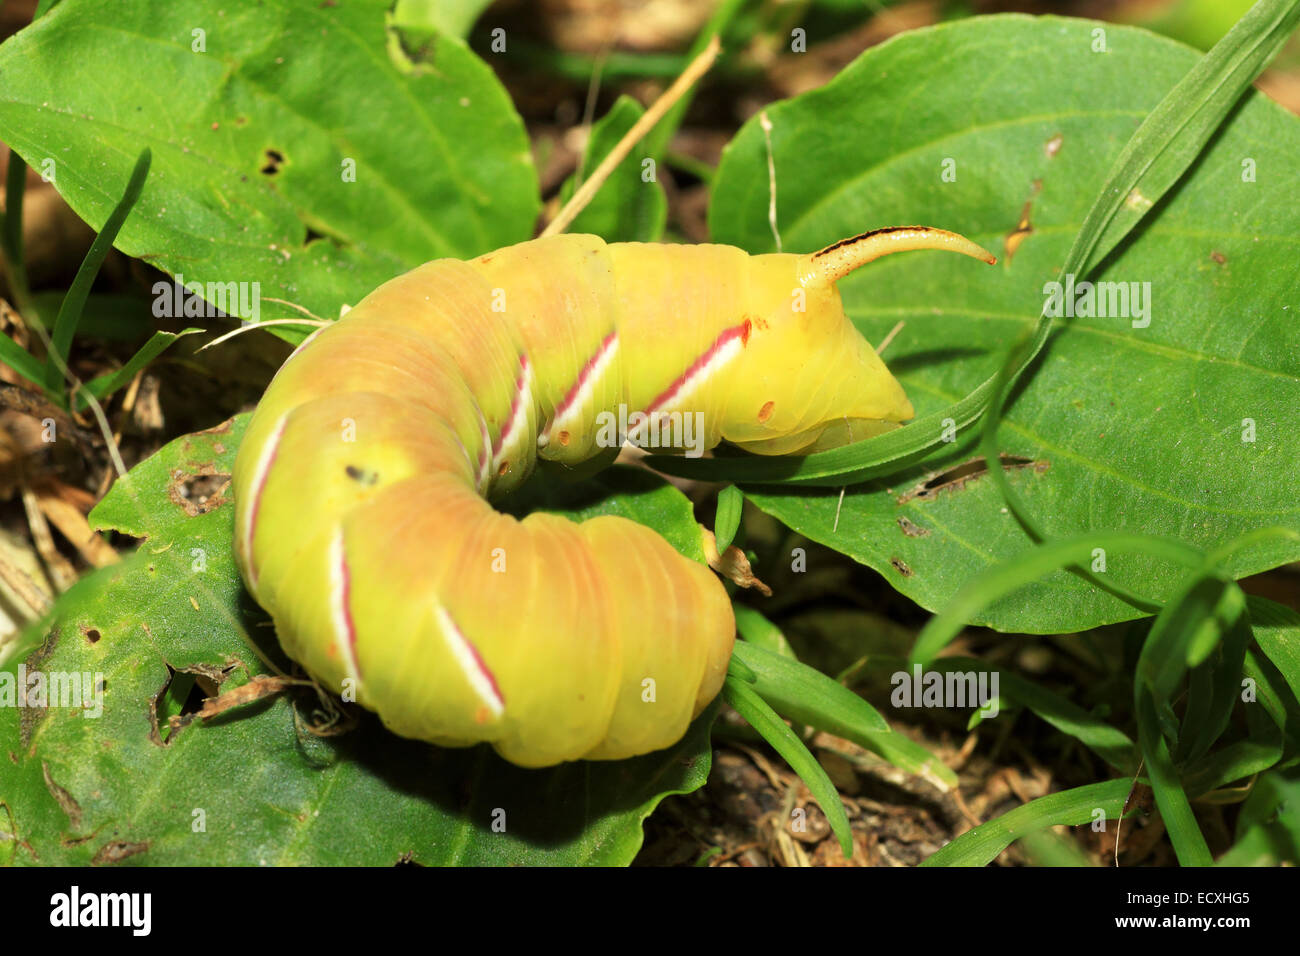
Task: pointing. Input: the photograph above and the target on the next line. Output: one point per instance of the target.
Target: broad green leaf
(627, 208)
(80, 789)
(1164, 428)
(980, 846)
(295, 153)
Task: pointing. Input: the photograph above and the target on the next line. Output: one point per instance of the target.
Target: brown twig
(697, 68)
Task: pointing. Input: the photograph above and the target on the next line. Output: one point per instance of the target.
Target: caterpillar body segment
(362, 517)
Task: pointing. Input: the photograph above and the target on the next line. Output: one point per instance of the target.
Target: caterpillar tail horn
(839, 259)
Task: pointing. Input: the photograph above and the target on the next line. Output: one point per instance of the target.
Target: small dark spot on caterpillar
(765, 412)
(564, 438)
(273, 159)
(505, 467)
(911, 528)
(1218, 257)
(901, 567)
(362, 476)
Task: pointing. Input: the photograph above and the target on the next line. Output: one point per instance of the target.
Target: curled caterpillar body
(362, 519)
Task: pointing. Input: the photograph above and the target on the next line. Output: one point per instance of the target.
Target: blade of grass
(1213, 690)
(981, 846)
(1001, 580)
(760, 632)
(805, 694)
(1277, 632)
(1109, 743)
(107, 384)
(22, 361)
(1189, 626)
(783, 740)
(11, 237)
(1171, 799)
(1048, 848)
(1268, 828)
(1237, 761)
(65, 325)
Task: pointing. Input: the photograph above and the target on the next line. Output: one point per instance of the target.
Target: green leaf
(256, 149)
(1209, 605)
(21, 361)
(806, 695)
(80, 789)
(783, 740)
(762, 633)
(1277, 631)
(627, 208)
(1048, 848)
(1116, 426)
(1268, 828)
(726, 522)
(980, 846)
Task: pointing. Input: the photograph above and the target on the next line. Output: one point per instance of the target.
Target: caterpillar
(363, 523)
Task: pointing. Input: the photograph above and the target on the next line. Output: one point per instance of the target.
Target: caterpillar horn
(839, 259)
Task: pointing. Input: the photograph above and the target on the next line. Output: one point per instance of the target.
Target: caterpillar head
(811, 381)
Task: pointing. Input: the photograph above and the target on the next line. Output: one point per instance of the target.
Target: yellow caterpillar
(362, 522)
